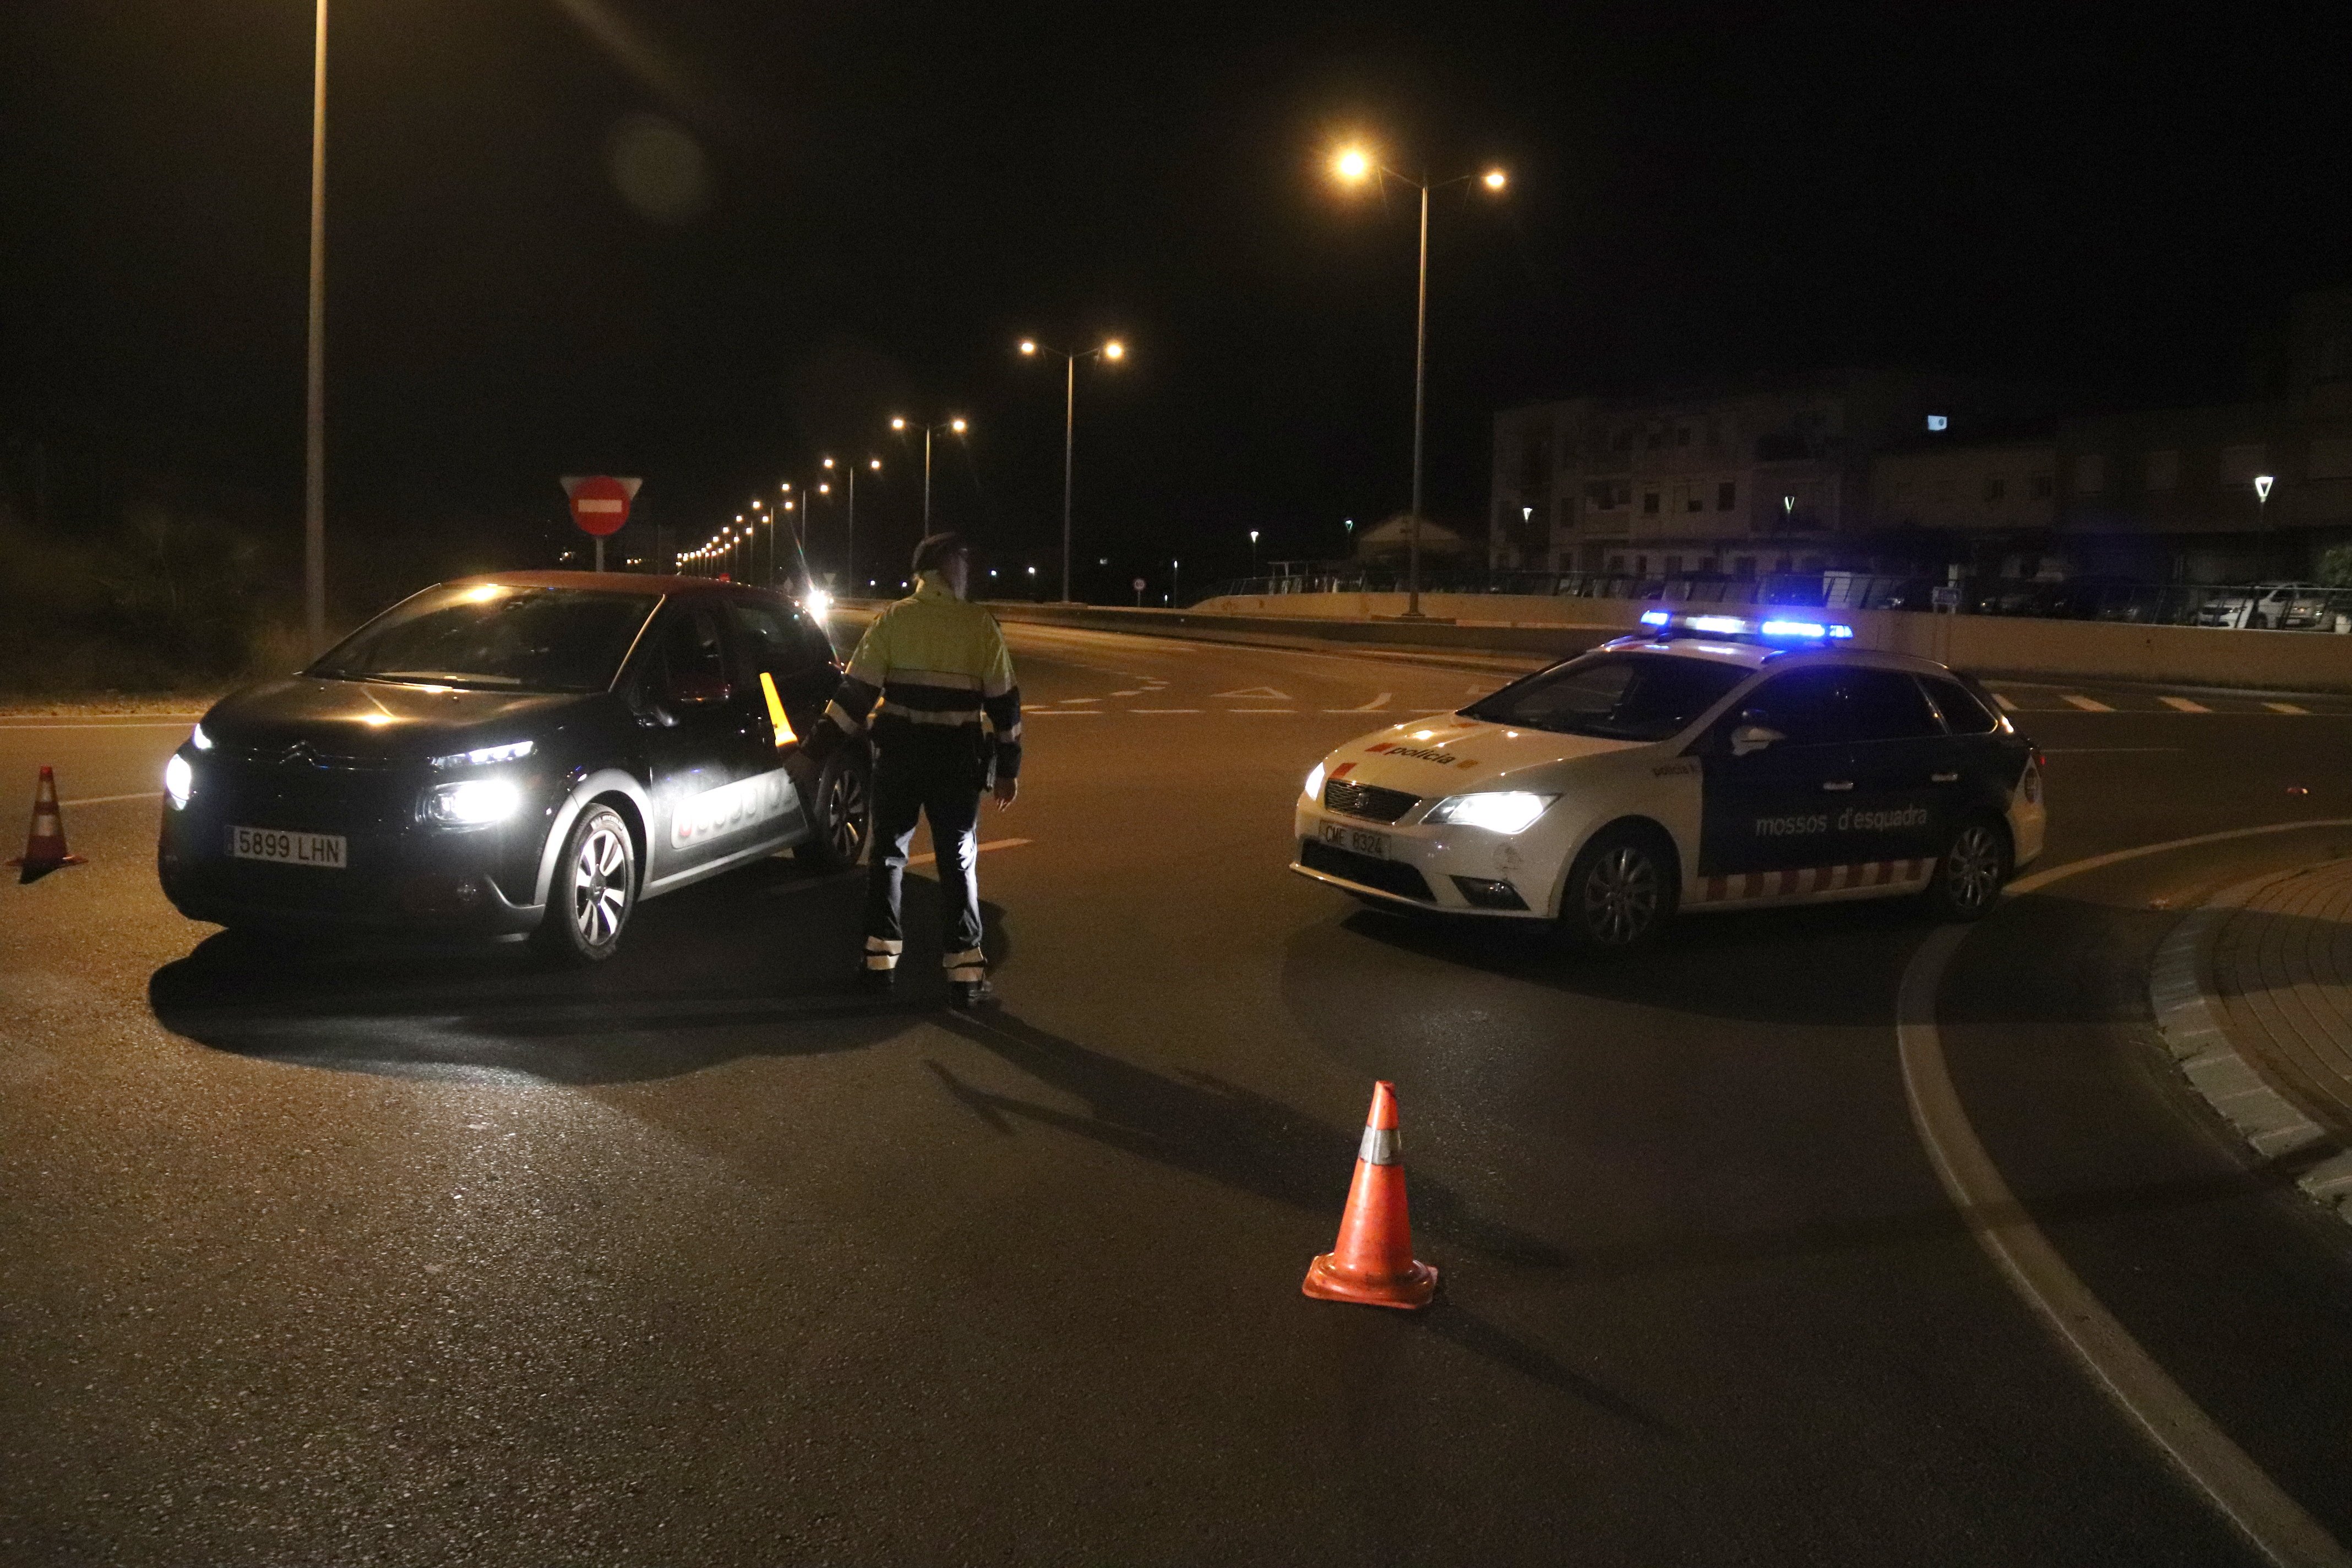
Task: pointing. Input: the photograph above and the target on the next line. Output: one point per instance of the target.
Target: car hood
(1434, 757)
(381, 721)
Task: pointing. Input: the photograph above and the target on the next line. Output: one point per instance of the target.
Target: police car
(1708, 763)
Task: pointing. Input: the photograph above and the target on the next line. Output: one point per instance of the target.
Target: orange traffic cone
(1372, 1262)
(45, 847)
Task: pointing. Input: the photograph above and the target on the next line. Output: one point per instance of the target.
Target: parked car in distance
(2272, 607)
(532, 753)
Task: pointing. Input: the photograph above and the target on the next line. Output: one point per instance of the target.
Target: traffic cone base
(45, 846)
(1372, 1264)
(1329, 1280)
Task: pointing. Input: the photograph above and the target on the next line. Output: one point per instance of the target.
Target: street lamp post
(314, 446)
(1355, 165)
(954, 426)
(2263, 483)
(1253, 533)
(1111, 351)
(849, 536)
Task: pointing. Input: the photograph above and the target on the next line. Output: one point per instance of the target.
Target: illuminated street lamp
(1111, 351)
(849, 540)
(955, 426)
(1253, 533)
(1357, 165)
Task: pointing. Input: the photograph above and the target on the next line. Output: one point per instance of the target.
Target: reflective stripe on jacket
(934, 659)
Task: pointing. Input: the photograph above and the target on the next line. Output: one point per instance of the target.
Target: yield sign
(599, 504)
(1266, 693)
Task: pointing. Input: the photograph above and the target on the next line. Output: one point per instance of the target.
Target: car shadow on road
(1206, 1126)
(757, 963)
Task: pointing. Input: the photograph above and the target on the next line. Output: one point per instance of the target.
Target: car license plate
(1375, 845)
(322, 849)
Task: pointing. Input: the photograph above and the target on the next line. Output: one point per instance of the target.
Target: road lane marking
(2183, 705)
(2286, 708)
(1261, 709)
(2084, 703)
(1081, 700)
(2087, 750)
(2005, 702)
(1374, 706)
(977, 849)
(1163, 709)
(1257, 693)
(1061, 712)
(2125, 1372)
(1126, 694)
(111, 799)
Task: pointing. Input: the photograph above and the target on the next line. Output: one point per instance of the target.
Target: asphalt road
(424, 1255)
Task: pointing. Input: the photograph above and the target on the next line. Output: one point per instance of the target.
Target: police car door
(703, 747)
(1905, 768)
(1774, 771)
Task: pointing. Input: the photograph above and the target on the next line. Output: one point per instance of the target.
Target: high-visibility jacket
(934, 662)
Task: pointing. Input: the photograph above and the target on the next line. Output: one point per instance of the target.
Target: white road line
(1374, 706)
(2125, 1372)
(111, 799)
(2183, 705)
(1067, 699)
(2005, 702)
(1262, 693)
(2286, 708)
(181, 724)
(2084, 703)
(1060, 712)
(979, 849)
(1261, 709)
(1126, 694)
(1163, 709)
(2087, 750)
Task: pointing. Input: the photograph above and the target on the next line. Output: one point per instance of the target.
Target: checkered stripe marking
(1811, 879)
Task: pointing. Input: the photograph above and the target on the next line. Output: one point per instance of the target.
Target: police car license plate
(1375, 845)
(321, 849)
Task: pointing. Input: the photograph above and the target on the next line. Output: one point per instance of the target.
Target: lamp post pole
(314, 448)
(955, 426)
(1112, 351)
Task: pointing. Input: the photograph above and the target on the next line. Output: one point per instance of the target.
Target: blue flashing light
(1720, 626)
(1841, 632)
(1811, 630)
(1656, 618)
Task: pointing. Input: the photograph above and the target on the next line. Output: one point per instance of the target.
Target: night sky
(704, 240)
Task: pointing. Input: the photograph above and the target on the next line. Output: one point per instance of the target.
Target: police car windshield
(1618, 696)
(494, 638)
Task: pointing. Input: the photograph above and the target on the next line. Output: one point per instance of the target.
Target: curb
(2181, 994)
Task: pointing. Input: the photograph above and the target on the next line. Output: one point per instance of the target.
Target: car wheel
(1620, 892)
(595, 891)
(1971, 871)
(841, 813)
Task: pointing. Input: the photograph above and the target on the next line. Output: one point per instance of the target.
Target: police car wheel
(1620, 892)
(841, 814)
(1971, 872)
(595, 891)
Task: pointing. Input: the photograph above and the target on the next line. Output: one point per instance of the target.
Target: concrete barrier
(1529, 629)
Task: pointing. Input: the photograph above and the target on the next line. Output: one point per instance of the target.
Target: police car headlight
(1498, 810)
(1315, 782)
(473, 803)
(178, 781)
(513, 750)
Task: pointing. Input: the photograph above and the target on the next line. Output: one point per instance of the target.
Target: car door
(1984, 766)
(783, 642)
(707, 756)
(1768, 807)
(1906, 775)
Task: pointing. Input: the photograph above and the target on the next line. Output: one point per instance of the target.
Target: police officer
(938, 664)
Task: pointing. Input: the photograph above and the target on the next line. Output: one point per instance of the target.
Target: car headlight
(1498, 810)
(473, 803)
(178, 781)
(1315, 782)
(513, 750)
(819, 604)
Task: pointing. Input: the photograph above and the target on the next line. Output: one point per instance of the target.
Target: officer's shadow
(1203, 1125)
(759, 962)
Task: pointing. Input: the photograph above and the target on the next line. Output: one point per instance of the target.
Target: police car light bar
(1777, 630)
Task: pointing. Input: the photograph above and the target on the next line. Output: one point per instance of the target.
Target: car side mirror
(696, 689)
(1753, 737)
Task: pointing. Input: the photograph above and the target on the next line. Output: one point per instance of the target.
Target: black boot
(964, 995)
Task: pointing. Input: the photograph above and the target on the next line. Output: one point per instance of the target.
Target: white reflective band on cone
(1381, 1146)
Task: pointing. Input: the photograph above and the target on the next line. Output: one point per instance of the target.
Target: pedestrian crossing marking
(2084, 703)
(1256, 693)
(2183, 705)
(2285, 708)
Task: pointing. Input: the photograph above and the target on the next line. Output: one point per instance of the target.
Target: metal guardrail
(2261, 606)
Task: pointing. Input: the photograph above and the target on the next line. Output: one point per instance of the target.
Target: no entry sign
(600, 503)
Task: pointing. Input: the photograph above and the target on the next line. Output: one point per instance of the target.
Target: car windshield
(497, 638)
(1619, 696)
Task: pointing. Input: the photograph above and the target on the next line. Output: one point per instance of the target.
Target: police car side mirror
(1753, 737)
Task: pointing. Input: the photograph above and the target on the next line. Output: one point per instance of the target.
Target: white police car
(1712, 762)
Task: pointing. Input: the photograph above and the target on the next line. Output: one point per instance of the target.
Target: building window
(1674, 566)
(1727, 495)
(1617, 565)
(1656, 437)
(1649, 503)
(2090, 473)
(2043, 487)
(1624, 495)
(1597, 494)
(1696, 500)
(1939, 422)
(2162, 471)
(1535, 460)
(1995, 487)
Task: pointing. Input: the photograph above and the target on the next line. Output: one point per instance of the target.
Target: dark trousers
(932, 772)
